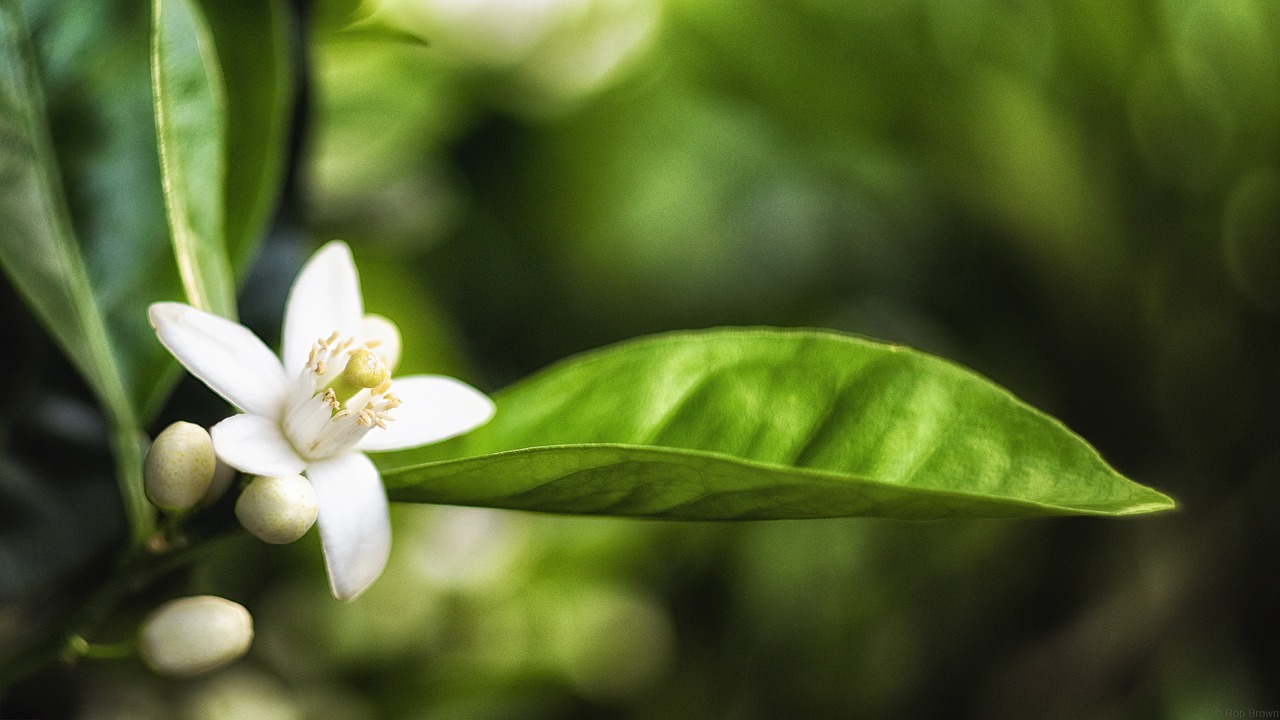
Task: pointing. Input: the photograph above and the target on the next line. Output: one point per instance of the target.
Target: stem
(138, 570)
(126, 447)
(77, 646)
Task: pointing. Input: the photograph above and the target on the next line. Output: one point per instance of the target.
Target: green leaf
(93, 65)
(253, 45)
(40, 252)
(758, 424)
(191, 112)
(37, 246)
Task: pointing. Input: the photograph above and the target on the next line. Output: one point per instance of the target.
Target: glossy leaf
(190, 112)
(743, 424)
(253, 47)
(50, 263)
(37, 245)
(95, 72)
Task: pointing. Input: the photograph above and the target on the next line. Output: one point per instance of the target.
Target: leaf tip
(1149, 501)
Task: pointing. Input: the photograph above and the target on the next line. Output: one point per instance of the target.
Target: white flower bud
(193, 635)
(278, 509)
(179, 467)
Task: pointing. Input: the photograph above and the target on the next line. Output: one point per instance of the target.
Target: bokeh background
(1077, 198)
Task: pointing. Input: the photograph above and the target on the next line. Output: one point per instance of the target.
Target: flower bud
(278, 509)
(179, 467)
(193, 635)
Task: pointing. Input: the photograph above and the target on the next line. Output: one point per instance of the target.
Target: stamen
(361, 371)
(330, 398)
(361, 376)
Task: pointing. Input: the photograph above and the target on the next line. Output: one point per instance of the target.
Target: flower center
(364, 370)
(343, 392)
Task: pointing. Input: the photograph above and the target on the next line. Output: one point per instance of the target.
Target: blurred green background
(1079, 199)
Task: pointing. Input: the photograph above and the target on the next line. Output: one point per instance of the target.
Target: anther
(330, 398)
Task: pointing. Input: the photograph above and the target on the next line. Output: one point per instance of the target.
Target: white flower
(324, 401)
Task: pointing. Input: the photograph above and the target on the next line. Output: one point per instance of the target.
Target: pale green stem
(126, 446)
(77, 646)
(137, 571)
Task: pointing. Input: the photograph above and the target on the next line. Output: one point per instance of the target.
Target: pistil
(364, 370)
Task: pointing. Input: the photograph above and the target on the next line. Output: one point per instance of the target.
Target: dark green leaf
(190, 120)
(90, 97)
(731, 424)
(253, 45)
(81, 217)
(37, 245)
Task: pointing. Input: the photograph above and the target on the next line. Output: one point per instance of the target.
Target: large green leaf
(741, 424)
(90, 63)
(191, 113)
(72, 283)
(253, 46)
(37, 245)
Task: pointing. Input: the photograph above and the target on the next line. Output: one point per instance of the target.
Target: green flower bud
(193, 635)
(179, 467)
(278, 509)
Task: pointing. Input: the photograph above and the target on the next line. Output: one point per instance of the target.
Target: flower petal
(433, 408)
(355, 525)
(324, 298)
(386, 337)
(224, 355)
(256, 445)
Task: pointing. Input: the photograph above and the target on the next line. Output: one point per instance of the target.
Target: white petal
(224, 355)
(383, 332)
(256, 445)
(324, 298)
(355, 527)
(433, 408)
